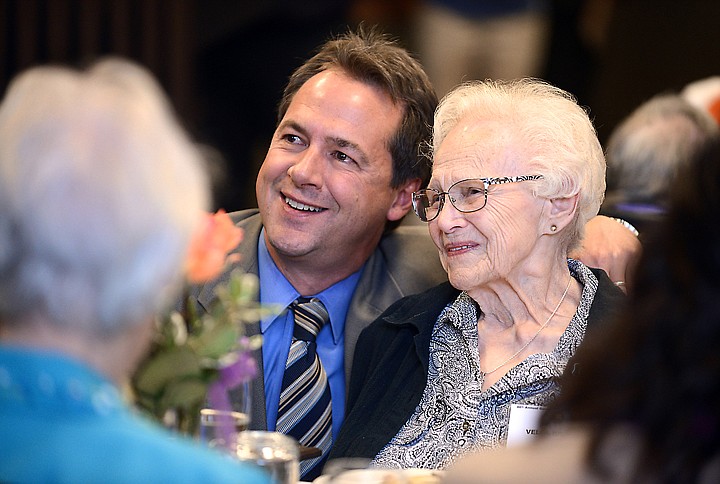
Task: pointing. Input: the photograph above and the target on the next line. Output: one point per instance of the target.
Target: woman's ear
(561, 213)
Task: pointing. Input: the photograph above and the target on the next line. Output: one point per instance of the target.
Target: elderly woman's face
(501, 238)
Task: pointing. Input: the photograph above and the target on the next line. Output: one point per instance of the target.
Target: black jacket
(390, 367)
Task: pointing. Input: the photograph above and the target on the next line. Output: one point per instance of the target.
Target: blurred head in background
(645, 152)
(100, 189)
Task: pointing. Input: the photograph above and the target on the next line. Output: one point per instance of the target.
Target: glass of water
(219, 426)
(276, 453)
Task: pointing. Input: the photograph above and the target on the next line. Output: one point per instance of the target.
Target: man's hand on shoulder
(610, 246)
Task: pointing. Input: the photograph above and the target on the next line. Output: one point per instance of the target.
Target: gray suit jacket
(405, 262)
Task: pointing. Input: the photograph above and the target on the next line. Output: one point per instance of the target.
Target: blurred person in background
(463, 40)
(649, 48)
(100, 190)
(705, 95)
(645, 153)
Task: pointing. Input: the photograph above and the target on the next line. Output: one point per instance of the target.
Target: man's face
(324, 187)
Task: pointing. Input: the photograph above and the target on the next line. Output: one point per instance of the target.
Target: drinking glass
(220, 426)
(276, 453)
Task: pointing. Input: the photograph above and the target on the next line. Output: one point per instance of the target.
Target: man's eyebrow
(290, 124)
(343, 143)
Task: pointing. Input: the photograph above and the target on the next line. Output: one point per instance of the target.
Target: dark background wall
(224, 62)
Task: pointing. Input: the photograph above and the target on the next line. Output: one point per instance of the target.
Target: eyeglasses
(466, 196)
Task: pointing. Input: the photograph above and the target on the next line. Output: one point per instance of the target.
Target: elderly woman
(518, 171)
(100, 190)
(645, 406)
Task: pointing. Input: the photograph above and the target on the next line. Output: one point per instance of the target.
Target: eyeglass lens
(466, 196)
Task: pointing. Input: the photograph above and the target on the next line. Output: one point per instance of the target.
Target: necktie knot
(310, 317)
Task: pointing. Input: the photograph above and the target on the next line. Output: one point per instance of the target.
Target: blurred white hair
(100, 189)
(646, 150)
(549, 126)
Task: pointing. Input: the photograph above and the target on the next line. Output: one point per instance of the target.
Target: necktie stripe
(312, 311)
(317, 431)
(302, 426)
(297, 351)
(308, 322)
(297, 404)
(307, 392)
(299, 362)
(306, 383)
(304, 392)
(305, 410)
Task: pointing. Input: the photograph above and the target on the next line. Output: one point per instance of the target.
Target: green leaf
(242, 289)
(187, 394)
(170, 364)
(146, 404)
(217, 341)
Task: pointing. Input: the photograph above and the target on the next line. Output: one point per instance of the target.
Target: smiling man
(337, 179)
(336, 182)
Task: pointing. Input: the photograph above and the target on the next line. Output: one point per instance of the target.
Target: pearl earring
(553, 228)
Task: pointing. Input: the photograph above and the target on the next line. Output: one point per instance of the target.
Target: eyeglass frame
(487, 182)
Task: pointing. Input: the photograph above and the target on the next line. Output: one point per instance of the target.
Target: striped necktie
(305, 412)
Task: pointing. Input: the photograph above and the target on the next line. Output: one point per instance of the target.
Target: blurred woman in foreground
(100, 190)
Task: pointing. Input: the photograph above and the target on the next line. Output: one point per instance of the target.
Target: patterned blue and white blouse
(455, 415)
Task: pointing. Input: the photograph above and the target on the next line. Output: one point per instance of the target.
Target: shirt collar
(275, 289)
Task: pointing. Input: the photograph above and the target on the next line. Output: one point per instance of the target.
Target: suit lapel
(375, 291)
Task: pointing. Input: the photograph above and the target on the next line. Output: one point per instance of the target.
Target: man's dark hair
(374, 58)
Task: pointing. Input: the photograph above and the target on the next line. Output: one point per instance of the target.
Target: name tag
(524, 423)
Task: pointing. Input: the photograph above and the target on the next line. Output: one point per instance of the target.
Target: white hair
(100, 189)
(549, 126)
(646, 150)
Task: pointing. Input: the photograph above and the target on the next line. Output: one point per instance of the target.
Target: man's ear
(562, 211)
(402, 203)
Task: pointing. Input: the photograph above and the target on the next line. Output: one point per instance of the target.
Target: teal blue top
(60, 421)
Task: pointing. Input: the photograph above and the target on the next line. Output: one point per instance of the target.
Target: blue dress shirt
(277, 334)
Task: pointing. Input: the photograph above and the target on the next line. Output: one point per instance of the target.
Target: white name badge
(524, 423)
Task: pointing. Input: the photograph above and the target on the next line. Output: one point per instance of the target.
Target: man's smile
(302, 206)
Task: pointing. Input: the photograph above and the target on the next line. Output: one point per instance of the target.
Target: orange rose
(714, 110)
(209, 247)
